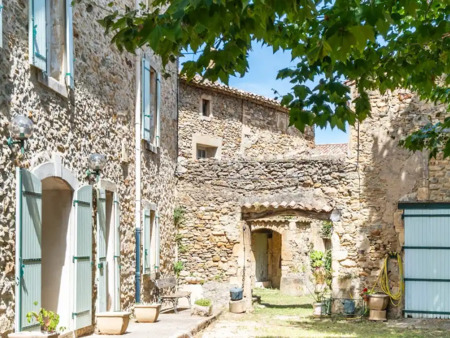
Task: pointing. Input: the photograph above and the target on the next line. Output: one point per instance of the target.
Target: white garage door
(427, 259)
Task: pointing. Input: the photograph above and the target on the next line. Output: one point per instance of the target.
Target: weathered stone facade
(365, 184)
(248, 127)
(97, 116)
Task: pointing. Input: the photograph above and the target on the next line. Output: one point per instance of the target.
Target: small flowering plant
(365, 294)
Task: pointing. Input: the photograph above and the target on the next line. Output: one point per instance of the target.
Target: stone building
(248, 192)
(68, 242)
(255, 213)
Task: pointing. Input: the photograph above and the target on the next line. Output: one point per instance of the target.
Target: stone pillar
(247, 249)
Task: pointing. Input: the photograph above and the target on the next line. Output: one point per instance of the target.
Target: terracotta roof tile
(332, 149)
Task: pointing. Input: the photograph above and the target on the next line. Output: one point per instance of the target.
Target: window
(201, 153)
(206, 107)
(1, 24)
(151, 84)
(151, 241)
(206, 146)
(51, 42)
(204, 151)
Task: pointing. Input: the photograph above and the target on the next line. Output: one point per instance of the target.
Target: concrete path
(169, 325)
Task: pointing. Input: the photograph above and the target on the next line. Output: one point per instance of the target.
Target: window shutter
(1, 24)
(69, 45)
(116, 252)
(158, 243)
(158, 109)
(28, 247)
(83, 258)
(38, 33)
(147, 237)
(145, 88)
(101, 251)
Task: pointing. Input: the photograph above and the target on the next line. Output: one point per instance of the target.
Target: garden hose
(383, 279)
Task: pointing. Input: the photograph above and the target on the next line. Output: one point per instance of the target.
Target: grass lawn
(279, 315)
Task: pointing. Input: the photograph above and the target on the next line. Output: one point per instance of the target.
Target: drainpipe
(137, 217)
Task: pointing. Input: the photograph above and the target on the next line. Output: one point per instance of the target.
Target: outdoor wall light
(96, 164)
(21, 129)
(335, 215)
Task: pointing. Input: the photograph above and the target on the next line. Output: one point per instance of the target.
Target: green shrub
(327, 229)
(178, 267)
(203, 302)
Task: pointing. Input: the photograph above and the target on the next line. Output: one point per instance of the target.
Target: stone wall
(215, 196)
(247, 128)
(365, 187)
(98, 116)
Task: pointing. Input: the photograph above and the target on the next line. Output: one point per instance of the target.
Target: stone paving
(169, 325)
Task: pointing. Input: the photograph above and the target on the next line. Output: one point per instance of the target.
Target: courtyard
(279, 315)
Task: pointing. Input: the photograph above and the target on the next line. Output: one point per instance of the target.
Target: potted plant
(202, 307)
(48, 321)
(365, 294)
(319, 303)
(147, 313)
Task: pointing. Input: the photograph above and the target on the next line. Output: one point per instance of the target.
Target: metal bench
(170, 282)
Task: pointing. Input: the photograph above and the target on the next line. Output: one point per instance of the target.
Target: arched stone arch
(56, 169)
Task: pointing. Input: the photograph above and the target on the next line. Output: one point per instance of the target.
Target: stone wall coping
(224, 89)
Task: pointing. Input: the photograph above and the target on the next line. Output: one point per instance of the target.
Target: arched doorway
(56, 278)
(266, 249)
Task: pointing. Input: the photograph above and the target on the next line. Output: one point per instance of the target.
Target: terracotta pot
(378, 301)
(317, 309)
(112, 322)
(32, 334)
(147, 313)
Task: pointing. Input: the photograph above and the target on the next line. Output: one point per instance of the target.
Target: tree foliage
(376, 44)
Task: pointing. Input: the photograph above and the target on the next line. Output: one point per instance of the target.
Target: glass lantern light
(96, 164)
(335, 215)
(21, 129)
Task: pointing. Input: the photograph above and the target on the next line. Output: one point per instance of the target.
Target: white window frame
(210, 108)
(59, 86)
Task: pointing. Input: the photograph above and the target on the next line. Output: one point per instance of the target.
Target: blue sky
(260, 79)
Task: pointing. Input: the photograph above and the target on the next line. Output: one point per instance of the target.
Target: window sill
(151, 147)
(54, 85)
(206, 118)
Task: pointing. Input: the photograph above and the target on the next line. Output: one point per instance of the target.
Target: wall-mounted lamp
(96, 164)
(21, 129)
(335, 215)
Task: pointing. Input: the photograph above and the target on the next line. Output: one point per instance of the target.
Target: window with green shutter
(116, 300)
(82, 312)
(1, 23)
(101, 252)
(151, 102)
(28, 248)
(51, 41)
(147, 241)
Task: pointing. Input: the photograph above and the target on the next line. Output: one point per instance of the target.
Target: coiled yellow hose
(383, 280)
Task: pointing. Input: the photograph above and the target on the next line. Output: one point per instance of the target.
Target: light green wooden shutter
(116, 252)
(147, 243)
(1, 24)
(158, 109)
(157, 243)
(69, 45)
(82, 313)
(28, 250)
(146, 112)
(101, 251)
(38, 33)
